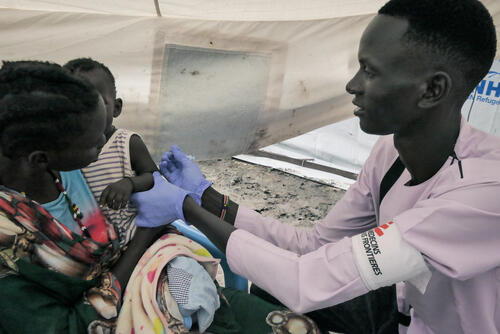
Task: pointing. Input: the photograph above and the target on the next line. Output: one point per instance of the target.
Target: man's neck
(425, 148)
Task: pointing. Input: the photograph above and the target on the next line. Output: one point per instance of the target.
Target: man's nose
(353, 86)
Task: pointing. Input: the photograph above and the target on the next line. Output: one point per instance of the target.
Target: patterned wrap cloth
(148, 306)
(29, 235)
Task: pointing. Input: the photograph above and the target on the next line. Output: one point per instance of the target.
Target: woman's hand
(161, 205)
(183, 172)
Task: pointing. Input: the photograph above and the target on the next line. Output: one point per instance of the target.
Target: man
(424, 209)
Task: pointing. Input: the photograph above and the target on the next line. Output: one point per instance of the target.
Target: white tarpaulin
(218, 77)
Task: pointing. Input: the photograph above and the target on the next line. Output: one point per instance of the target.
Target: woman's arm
(141, 241)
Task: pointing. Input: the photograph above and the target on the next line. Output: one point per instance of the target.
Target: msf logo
(379, 230)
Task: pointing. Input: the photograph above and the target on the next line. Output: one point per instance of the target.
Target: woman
(60, 272)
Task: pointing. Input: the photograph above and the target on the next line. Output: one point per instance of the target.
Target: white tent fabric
(218, 77)
(221, 10)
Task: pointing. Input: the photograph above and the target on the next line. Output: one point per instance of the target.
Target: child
(124, 165)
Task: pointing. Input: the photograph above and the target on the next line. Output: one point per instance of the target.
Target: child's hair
(87, 65)
(41, 106)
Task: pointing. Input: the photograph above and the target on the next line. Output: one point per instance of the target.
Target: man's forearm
(213, 201)
(217, 230)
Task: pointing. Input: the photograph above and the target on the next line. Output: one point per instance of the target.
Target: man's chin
(370, 128)
(366, 127)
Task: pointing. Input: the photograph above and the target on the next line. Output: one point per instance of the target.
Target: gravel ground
(271, 192)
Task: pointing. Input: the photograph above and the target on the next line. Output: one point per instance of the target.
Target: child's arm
(117, 194)
(142, 164)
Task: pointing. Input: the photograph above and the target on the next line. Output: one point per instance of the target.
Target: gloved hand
(183, 172)
(160, 205)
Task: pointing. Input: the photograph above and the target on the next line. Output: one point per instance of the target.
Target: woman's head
(49, 115)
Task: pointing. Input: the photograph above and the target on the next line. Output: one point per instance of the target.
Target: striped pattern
(112, 166)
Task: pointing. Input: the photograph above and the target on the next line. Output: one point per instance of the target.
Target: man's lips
(359, 110)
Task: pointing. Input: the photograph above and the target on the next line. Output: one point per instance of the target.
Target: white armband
(383, 258)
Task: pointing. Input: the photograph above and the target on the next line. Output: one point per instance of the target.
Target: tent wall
(220, 10)
(216, 77)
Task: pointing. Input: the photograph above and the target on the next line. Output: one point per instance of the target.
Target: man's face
(388, 84)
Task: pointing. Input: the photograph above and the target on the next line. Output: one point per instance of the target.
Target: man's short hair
(458, 32)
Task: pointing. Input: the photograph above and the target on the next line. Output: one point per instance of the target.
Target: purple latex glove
(160, 205)
(183, 172)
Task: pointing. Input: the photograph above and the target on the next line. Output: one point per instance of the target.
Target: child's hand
(117, 194)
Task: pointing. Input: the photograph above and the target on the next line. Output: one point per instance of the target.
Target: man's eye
(367, 70)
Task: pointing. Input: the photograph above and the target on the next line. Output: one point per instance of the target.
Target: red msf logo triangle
(379, 231)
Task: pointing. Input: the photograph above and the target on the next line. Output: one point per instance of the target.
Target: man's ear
(435, 90)
(117, 107)
(38, 159)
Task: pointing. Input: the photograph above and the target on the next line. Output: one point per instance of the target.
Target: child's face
(102, 83)
(84, 149)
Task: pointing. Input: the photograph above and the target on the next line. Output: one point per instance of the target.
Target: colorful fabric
(193, 290)
(45, 259)
(453, 221)
(77, 189)
(29, 232)
(112, 165)
(147, 304)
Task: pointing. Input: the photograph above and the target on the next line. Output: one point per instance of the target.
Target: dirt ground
(271, 192)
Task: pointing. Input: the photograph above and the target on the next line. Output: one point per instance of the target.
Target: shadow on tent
(231, 279)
